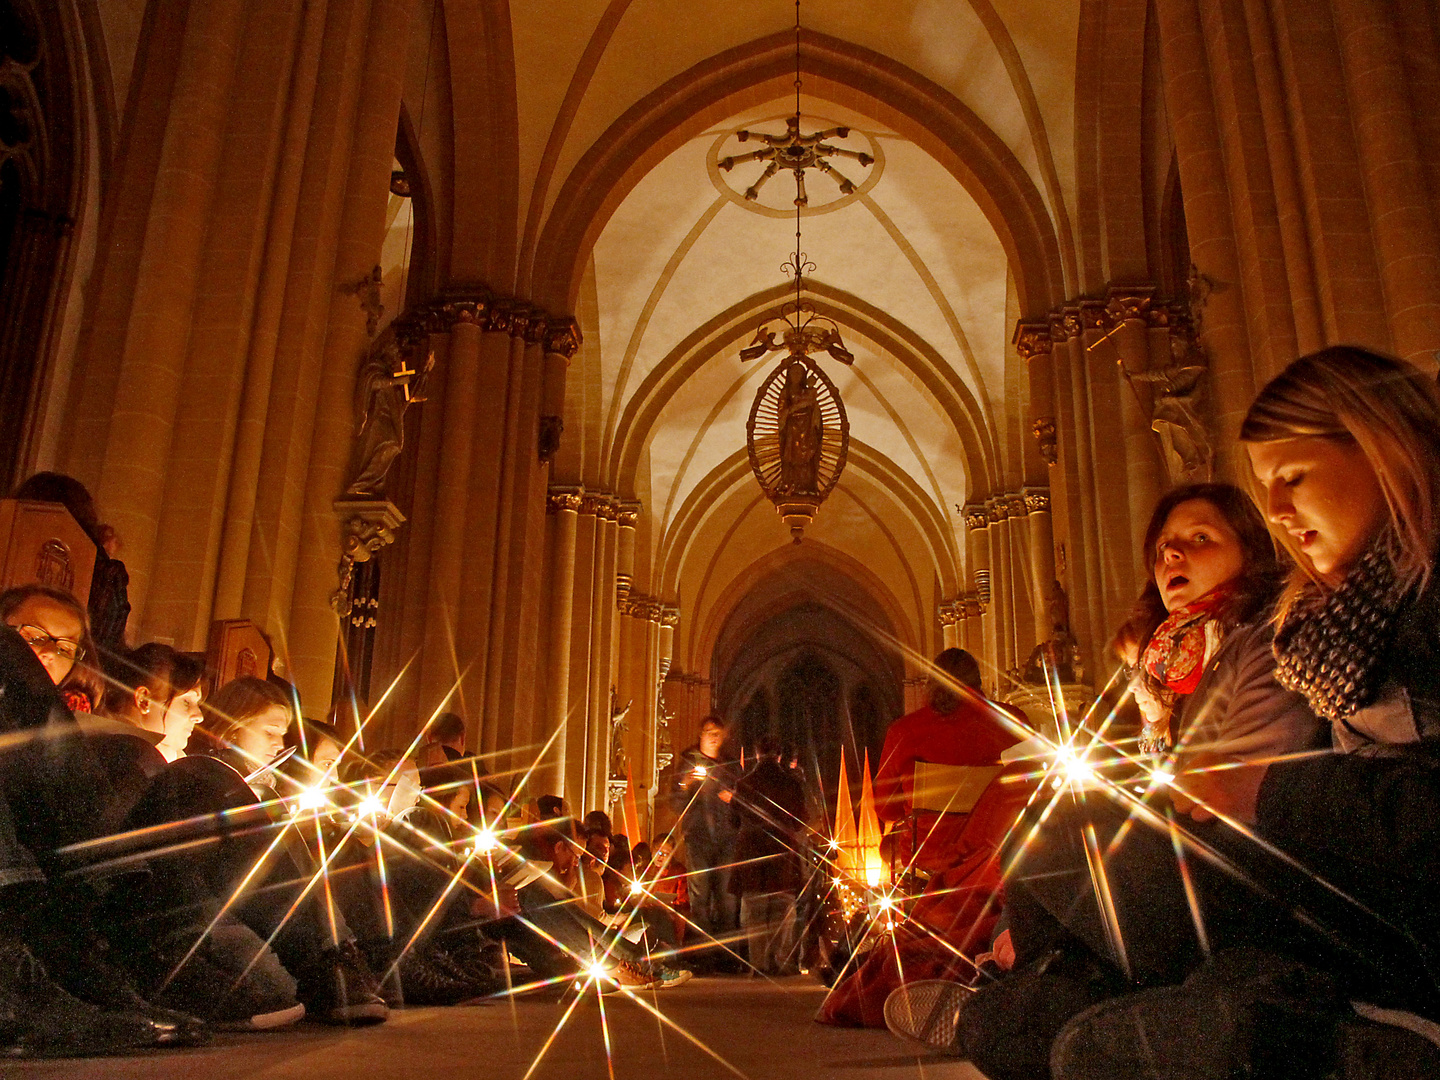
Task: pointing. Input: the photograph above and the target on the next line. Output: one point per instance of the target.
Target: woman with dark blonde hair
(56, 626)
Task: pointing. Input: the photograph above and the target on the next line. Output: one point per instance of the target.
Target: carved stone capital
(1045, 434)
(627, 513)
(1032, 339)
(564, 498)
(606, 508)
(1130, 303)
(949, 613)
(670, 616)
(367, 526)
(997, 509)
(1037, 500)
(1095, 315)
(970, 606)
(975, 516)
(562, 338)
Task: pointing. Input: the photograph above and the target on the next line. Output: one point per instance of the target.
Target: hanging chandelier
(797, 434)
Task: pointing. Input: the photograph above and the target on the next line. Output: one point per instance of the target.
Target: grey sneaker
(927, 1012)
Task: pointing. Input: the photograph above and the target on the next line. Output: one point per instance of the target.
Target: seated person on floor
(1215, 716)
(62, 996)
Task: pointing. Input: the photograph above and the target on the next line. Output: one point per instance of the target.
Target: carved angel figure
(1175, 413)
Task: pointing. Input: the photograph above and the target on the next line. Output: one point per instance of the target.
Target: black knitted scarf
(1331, 643)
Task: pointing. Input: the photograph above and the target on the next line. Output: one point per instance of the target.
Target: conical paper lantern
(844, 822)
(869, 861)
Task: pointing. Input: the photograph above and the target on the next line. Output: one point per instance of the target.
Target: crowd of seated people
(173, 864)
(1246, 885)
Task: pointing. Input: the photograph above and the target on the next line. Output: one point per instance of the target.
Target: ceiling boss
(797, 434)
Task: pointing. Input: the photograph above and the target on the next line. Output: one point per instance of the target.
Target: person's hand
(726, 796)
(1001, 954)
(499, 904)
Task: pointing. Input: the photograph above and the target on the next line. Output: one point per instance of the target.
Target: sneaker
(39, 1019)
(232, 980)
(425, 980)
(341, 989)
(927, 1012)
(666, 977)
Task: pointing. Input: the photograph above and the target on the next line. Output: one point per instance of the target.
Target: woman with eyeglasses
(57, 628)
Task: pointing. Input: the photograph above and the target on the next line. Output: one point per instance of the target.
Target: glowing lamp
(636, 888)
(485, 840)
(597, 971)
(1162, 777)
(886, 903)
(370, 806)
(874, 872)
(311, 799)
(700, 771)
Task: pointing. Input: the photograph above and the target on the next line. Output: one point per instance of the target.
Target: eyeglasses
(40, 641)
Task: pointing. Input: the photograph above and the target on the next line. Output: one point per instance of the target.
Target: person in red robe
(955, 917)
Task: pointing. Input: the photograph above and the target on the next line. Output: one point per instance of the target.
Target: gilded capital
(670, 616)
(1130, 304)
(564, 498)
(1037, 500)
(627, 513)
(562, 337)
(1032, 339)
(975, 516)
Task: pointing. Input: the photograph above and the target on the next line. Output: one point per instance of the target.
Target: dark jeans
(1151, 926)
(555, 938)
(713, 906)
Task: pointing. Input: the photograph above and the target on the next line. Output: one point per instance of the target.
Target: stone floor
(722, 1026)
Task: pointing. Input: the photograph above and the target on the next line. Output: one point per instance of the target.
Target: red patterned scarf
(1176, 658)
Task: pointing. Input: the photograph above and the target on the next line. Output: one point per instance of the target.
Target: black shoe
(1243, 1013)
(98, 982)
(427, 979)
(1006, 1028)
(341, 989)
(40, 1019)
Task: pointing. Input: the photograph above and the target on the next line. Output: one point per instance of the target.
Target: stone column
(1002, 611)
(977, 542)
(949, 625)
(562, 506)
(1190, 103)
(1402, 218)
(589, 540)
(1042, 556)
(1128, 309)
(603, 676)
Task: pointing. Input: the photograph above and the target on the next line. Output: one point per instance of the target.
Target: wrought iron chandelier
(797, 434)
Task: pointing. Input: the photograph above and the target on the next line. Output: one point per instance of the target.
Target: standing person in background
(448, 733)
(769, 810)
(703, 788)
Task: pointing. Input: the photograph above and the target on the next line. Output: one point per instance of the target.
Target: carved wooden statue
(1175, 413)
(619, 759)
(801, 430)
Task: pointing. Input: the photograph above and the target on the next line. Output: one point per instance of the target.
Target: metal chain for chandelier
(798, 434)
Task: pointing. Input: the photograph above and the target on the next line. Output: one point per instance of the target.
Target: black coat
(768, 809)
(705, 818)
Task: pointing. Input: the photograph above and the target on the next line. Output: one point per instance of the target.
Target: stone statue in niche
(1059, 653)
(802, 430)
(1175, 412)
(385, 387)
(619, 726)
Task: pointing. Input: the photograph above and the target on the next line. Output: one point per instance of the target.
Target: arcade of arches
(1091, 229)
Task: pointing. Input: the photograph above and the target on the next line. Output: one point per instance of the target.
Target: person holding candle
(703, 787)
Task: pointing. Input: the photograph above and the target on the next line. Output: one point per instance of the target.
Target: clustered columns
(607, 650)
(1119, 409)
(1010, 554)
(463, 588)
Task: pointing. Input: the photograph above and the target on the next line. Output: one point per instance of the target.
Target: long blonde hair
(1391, 411)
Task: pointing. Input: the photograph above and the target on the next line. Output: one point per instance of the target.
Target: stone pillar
(1402, 218)
(588, 544)
(603, 675)
(949, 618)
(1128, 309)
(1002, 611)
(977, 542)
(562, 506)
(1190, 103)
(441, 671)
(1042, 556)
